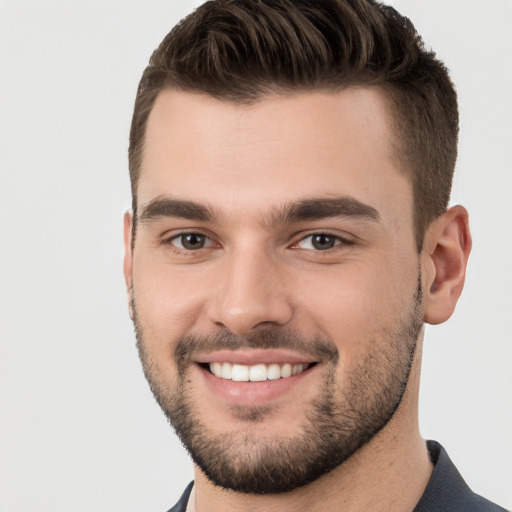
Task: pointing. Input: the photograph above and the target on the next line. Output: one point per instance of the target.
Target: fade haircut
(241, 51)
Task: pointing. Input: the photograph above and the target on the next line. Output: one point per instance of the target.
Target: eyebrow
(323, 208)
(303, 210)
(168, 207)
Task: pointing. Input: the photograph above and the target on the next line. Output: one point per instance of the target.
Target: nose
(251, 294)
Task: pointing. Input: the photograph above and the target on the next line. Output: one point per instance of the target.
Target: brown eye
(191, 241)
(321, 242)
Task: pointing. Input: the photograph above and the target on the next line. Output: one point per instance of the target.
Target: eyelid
(170, 234)
(208, 241)
(168, 238)
(340, 240)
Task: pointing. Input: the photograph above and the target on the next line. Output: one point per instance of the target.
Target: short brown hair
(242, 50)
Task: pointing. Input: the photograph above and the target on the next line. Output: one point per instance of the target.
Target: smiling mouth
(255, 373)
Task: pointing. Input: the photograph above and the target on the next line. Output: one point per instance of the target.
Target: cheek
(168, 302)
(352, 304)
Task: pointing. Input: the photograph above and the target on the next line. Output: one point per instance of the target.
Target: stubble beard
(337, 422)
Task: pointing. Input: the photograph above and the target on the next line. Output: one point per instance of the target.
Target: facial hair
(336, 423)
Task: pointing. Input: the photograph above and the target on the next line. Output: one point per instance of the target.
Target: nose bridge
(251, 291)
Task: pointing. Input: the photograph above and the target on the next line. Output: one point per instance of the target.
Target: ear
(128, 255)
(445, 256)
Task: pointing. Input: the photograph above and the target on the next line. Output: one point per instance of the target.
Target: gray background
(79, 430)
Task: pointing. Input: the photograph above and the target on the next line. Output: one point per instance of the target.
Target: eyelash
(338, 241)
(170, 241)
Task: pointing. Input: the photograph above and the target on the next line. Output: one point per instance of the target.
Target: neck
(389, 473)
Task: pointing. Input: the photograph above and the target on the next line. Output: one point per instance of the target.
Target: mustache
(314, 348)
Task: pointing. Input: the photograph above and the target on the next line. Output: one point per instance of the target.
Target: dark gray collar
(447, 491)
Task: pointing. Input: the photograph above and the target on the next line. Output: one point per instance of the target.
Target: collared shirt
(446, 490)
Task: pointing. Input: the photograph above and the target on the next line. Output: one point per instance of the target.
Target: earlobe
(445, 256)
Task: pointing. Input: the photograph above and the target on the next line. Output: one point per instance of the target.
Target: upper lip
(250, 357)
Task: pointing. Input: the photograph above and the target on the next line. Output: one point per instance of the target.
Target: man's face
(271, 240)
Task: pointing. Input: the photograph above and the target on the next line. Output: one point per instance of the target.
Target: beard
(336, 423)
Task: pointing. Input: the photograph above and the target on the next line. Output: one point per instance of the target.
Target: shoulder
(447, 490)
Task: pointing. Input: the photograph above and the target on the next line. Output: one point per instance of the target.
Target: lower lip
(252, 393)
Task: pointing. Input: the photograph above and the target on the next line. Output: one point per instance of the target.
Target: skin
(259, 270)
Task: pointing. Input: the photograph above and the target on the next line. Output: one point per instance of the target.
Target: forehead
(278, 150)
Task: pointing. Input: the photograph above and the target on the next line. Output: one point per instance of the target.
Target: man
(291, 165)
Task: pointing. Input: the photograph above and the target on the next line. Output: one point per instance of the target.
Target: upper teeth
(256, 373)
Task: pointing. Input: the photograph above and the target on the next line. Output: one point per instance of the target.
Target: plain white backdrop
(79, 429)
